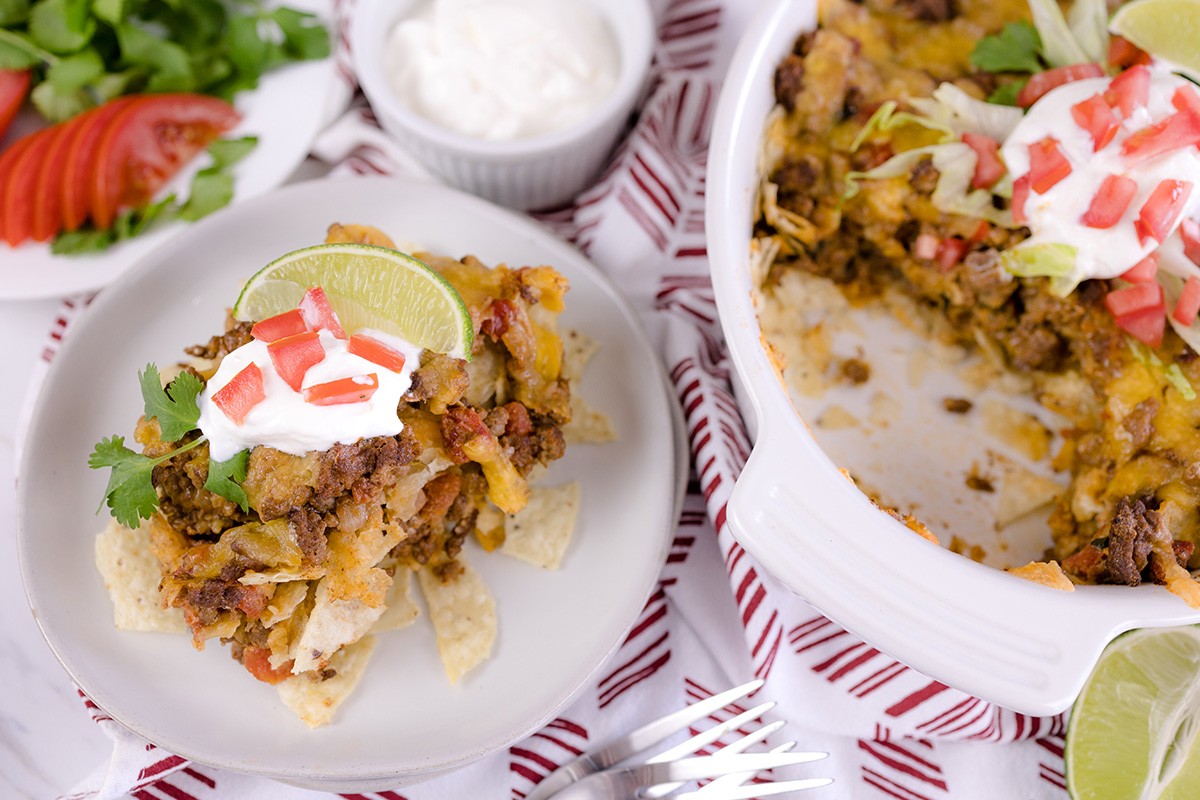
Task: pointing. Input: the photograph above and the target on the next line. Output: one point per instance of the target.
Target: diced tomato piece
(318, 314)
(950, 252)
(257, 661)
(1042, 82)
(1186, 97)
(1108, 206)
(1143, 271)
(1160, 210)
(981, 232)
(1146, 326)
(1129, 91)
(926, 246)
(280, 326)
(1189, 302)
(1189, 231)
(1095, 116)
(1019, 197)
(376, 352)
(14, 83)
(16, 204)
(1047, 165)
(988, 166)
(1139, 297)
(340, 392)
(1181, 129)
(241, 394)
(1124, 53)
(294, 355)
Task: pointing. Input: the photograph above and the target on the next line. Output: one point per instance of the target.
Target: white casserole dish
(1004, 639)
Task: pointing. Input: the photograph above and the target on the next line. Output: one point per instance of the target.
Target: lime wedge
(368, 287)
(1134, 727)
(1166, 29)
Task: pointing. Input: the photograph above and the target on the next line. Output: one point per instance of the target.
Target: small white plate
(555, 628)
(285, 112)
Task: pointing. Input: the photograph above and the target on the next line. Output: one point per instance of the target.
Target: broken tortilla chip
(587, 425)
(578, 349)
(315, 702)
(402, 610)
(1022, 492)
(1047, 573)
(464, 618)
(131, 576)
(540, 532)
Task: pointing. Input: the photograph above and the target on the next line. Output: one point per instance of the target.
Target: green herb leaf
(18, 51)
(130, 492)
(175, 407)
(73, 72)
(1015, 49)
(82, 242)
(170, 65)
(224, 477)
(304, 37)
(111, 11)
(58, 106)
(61, 26)
(227, 152)
(211, 190)
(13, 12)
(1006, 95)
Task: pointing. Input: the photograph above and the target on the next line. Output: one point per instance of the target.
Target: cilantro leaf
(211, 190)
(130, 492)
(176, 411)
(18, 51)
(1015, 49)
(169, 63)
(110, 11)
(73, 72)
(304, 37)
(61, 26)
(57, 106)
(222, 476)
(1006, 95)
(13, 11)
(227, 152)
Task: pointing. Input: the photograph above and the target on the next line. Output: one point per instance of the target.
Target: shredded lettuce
(1176, 378)
(953, 110)
(1172, 374)
(1051, 260)
(1088, 22)
(1059, 45)
(886, 117)
(953, 194)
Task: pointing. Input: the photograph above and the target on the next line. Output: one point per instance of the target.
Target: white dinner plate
(555, 627)
(285, 112)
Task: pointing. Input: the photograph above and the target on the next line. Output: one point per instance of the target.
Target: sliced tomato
(47, 195)
(1108, 206)
(1095, 116)
(241, 394)
(14, 83)
(1181, 129)
(146, 143)
(318, 314)
(1160, 210)
(341, 392)
(1143, 271)
(981, 232)
(1139, 297)
(1020, 196)
(1124, 53)
(1189, 302)
(257, 661)
(1047, 165)
(80, 161)
(376, 352)
(20, 186)
(950, 252)
(988, 166)
(1042, 82)
(8, 160)
(1129, 91)
(1189, 231)
(280, 326)
(1146, 326)
(294, 355)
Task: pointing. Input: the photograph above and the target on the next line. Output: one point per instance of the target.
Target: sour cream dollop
(503, 69)
(1055, 217)
(286, 422)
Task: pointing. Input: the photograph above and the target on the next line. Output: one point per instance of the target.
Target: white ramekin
(1020, 645)
(535, 173)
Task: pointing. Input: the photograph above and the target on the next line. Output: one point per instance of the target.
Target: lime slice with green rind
(368, 287)
(1166, 29)
(1135, 728)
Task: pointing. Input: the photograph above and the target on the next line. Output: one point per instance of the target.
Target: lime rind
(368, 287)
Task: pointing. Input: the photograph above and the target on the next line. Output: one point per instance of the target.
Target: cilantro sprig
(86, 52)
(1016, 48)
(130, 493)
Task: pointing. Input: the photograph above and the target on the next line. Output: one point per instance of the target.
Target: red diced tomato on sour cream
(242, 393)
(295, 355)
(343, 391)
(319, 314)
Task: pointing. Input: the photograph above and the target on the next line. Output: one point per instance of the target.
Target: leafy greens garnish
(130, 493)
(1017, 48)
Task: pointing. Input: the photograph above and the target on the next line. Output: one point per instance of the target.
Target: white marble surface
(47, 740)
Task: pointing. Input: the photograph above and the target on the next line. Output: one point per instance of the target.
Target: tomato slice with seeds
(318, 314)
(1131, 299)
(376, 352)
(1160, 210)
(1143, 271)
(20, 186)
(80, 160)
(243, 392)
(1181, 129)
(1147, 325)
(14, 83)
(294, 355)
(1112, 198)
(1042, 82)
(1189, 302)
(1047, 165)
(146, 143)
(8, 160)
(1129, 91)
(280, 326)
(47, 194)
(988, 166)
(1095, 116)
(342, 392)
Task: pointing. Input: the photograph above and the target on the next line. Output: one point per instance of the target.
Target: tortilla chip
(539, 533)
(1047, 573)
(1022, 492)
(464, 618)
(402, 610)
(315, 702)
(131, 576)
(1179, 581)
(280, 576)
(1022, 431)
(489, 525)
(578, 349)
(287, 597)
(335, 623)
(587, 425)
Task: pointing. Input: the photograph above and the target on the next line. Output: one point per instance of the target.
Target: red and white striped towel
(718, 618)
